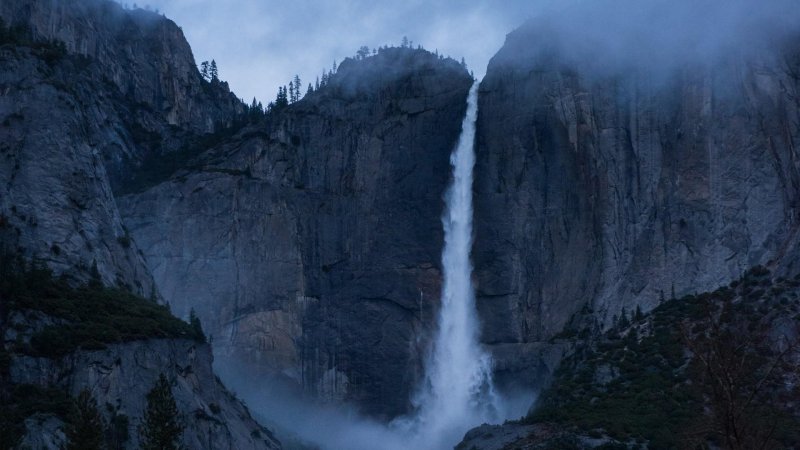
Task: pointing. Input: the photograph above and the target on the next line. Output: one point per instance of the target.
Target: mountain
(309, 243)
(90, 93)
(611, 190)
(615, 188)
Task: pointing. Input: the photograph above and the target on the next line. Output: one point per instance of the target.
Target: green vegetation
(158, 167)
(70, 318)
(702, 369)
(88, 317)
(161, 428)
(85, 432)
(50, 51)
(23, 401)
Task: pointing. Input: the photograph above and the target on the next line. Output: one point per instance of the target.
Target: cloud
(615, 36)
(260, 44)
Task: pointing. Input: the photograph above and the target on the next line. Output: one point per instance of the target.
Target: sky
(261, 44)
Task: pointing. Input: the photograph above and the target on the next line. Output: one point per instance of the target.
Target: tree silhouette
(194, 321)
(85, 432)
(297, 85)
(740, 366)
(213, 71)
(204, 70)
(161, 428)
(363, 52)
(281, 101)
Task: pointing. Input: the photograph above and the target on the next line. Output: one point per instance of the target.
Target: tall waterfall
(458, 392)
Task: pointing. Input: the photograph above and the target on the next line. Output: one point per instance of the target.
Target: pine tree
(85, 432)
(316, 85)
(96, 280)
(464, 63)
(161, 428)
(292, 95)
(310, 89)
(623, 319)
(281, 100)
(335, 67)
(213, 71)
(363, 52)
(297, 85)
(404, 43)
(204, 70)
(194, 321)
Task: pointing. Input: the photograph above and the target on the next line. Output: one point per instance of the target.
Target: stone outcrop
(119, 379)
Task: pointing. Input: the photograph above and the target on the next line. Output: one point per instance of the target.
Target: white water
(457, 391)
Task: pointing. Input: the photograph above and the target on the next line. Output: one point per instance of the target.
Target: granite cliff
(620, 187)
(309, 243)
(89, 93)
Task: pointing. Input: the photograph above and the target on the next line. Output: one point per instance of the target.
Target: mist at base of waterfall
(304, 424)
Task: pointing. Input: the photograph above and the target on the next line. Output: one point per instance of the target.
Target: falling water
(458, 391)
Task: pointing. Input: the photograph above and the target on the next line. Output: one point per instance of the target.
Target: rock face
(618, 190)
(144, 55)
(89, 93)
(122, 375)
(76, 119)
(309, 245)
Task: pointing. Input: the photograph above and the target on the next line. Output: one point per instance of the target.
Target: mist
(260, 44)
(304, 423)
(610, 37)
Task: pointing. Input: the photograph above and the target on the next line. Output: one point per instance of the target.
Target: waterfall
(458, 392)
